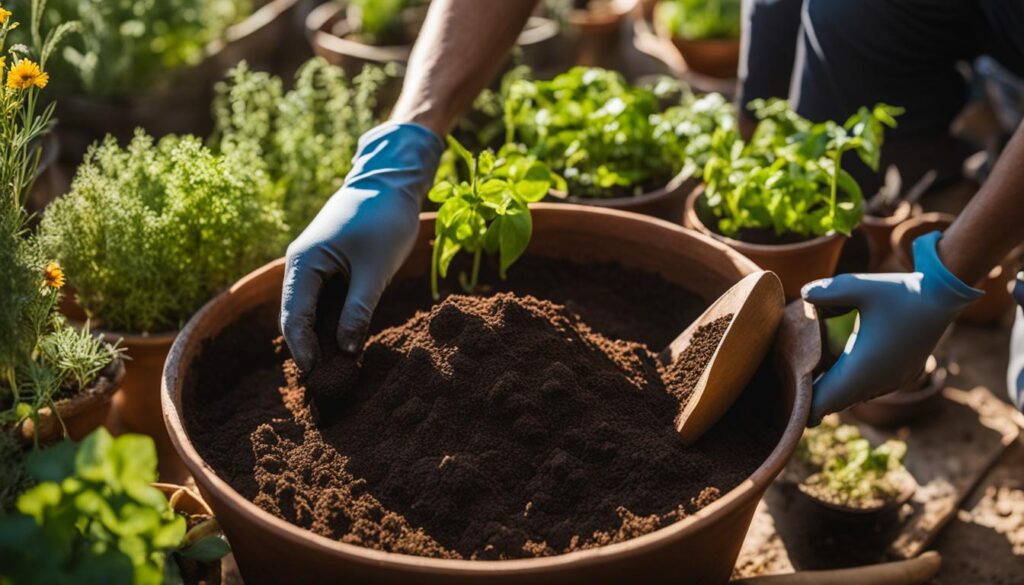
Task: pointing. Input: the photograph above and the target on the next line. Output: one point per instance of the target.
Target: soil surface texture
(489, 427)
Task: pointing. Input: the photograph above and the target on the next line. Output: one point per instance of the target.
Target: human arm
(366, 230)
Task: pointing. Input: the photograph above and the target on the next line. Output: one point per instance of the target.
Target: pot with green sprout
(705, 32)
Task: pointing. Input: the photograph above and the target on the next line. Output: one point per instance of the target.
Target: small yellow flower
(53, 275)
(25, 74)
(4, 15)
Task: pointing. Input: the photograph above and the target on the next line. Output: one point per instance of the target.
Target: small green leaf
(441, 192)
(207, 550)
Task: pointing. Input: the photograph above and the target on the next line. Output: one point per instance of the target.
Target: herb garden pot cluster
(796, 263)
(700, 548)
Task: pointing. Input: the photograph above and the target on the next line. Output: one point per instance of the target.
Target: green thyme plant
(382, 22)
(851, 471)
(700, 19)
(488, 213)
(150, 232)
(126, 47)
(605, 137)
(306, 136)
(94, 517)
(789, 177)
(42, 358)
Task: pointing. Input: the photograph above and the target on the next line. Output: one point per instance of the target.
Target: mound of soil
(487, 428)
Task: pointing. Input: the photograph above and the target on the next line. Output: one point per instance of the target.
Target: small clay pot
(795, 264)
(878, 232)
(81, 414)
(718, 58)
(596, 31)
(906, 404)
(666, 203)
(997, 300)
(185, 501)
(907, 487)
(701, 548)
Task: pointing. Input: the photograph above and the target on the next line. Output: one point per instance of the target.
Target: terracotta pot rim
(902, 213)
(731, 502)
(900, 232)
(327, 16)
(668, 190)
(107, 382)
(694, 219)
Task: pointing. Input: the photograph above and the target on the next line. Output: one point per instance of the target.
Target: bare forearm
(993, 223)
(461, 47)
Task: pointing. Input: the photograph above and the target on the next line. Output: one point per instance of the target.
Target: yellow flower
(53, 275)
(4, 15)
(25, 74)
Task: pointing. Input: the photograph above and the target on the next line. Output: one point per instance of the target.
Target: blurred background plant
(42, 358)
(306, 137)
(700, 19)
(386, 22)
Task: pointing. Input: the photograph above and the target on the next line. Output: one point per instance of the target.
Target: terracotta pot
(997, 300)
(878, 232)
(906, 404)
(718, 58)
(699, 549)
(137, 405)
(181, 104)
(595, 32)
(666, 203)
(185, 501)
(796, 264)
(81, 414)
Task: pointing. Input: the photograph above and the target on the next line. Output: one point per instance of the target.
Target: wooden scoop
(756, 304)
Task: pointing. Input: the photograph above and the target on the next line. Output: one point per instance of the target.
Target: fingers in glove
(354, 322)
(299, 295)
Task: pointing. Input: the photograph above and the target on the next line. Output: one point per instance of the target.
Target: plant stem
(476, 270)
(434, 261)
(835, 180)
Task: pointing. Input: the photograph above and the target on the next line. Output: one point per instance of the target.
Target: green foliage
(852, 472)
(700, 19)
(306, 136)
(487, 213)
(14, 478)
(126, 47)
(789, 178)
(92, 517)
(150, 232)
(605, 137)
(383, 22)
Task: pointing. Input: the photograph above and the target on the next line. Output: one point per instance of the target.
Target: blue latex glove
(364, 231)
(1015, 372)
(902, 318)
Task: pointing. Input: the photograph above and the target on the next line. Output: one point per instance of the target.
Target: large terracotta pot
(666, 203)
(796, 264)
(997, 300)
(81, 414)
(699, 549)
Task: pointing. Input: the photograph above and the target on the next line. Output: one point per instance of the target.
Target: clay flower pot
(701, 548)
(878, 232)
(595, 31)
(666, 203)
(81, 414)
(796, 264)
(181, 105)
(997, 299)
(188, 503)
(718, 58)
(906, 404)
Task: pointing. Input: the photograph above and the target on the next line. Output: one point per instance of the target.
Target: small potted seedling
(613, 144)
(840, 470)
(706, 33)
(148, 234)
(783, 198)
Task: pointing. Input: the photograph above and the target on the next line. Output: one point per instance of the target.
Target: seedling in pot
(487, 213)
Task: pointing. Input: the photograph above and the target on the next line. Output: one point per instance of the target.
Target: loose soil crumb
(487, 428)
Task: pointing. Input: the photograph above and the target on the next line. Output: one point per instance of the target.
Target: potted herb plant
(614, 144)
(93, 515)
(153, 64)
(54, 379)
(306, 136)
(147, 234)
(706, 33)
(783, 199)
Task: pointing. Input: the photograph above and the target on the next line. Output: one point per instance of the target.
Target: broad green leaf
(441, 192)
(513, 238)
(208, 549)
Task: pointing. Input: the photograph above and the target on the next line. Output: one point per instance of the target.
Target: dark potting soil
(493, 427)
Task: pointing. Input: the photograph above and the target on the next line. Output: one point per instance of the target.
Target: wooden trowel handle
(916, 571)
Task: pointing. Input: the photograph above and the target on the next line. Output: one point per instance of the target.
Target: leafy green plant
(487, 213)
(126, 47)
(41, 356)
(789, 177)
(605, 137)
(94, 517)
(306, 137)
(851, 471)
(383, 22)
(700, 19)
(150, 232)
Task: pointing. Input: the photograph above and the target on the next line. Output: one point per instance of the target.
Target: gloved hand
(902, 318)
(364, 231)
